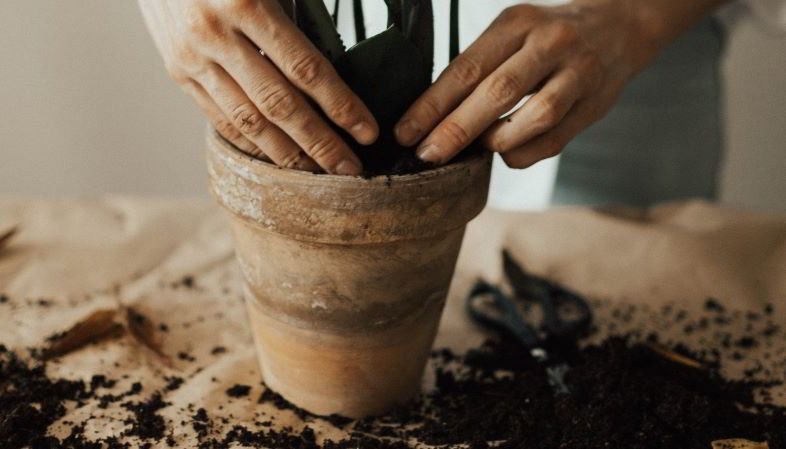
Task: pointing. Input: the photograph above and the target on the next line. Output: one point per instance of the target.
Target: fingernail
(429, 153)
(407, 132)
(307, 164)
(364, 133)
(347, 168)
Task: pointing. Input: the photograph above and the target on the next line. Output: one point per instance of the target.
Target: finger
(283, 105)
(496, 95)
(300, 61)
(554, 141)
(457, 82)
(220, 121)
(247, 119)
(540, 113)
(545, 109)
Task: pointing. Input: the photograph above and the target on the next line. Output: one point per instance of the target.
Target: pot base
(352, 376)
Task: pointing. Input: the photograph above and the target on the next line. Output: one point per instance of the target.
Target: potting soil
(625, 391)
(392, 159)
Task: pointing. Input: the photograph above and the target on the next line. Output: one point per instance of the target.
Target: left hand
(574, 59)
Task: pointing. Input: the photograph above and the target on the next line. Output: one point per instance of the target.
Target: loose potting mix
(624, 391)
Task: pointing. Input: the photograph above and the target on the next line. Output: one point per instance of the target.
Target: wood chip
(6, 236)
(99, 325)
(104, 324)
(675, 357)
(739, 444)
(143, 332)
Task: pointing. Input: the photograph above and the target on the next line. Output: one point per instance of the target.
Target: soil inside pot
(387, 158)
(391, 162)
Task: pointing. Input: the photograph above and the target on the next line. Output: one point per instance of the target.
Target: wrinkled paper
(81, 256)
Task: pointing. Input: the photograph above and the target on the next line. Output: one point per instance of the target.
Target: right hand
(252, 71)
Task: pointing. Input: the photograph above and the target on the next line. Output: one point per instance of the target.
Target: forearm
(651, 24)
(665, 20)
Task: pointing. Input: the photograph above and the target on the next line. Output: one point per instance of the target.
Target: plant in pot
(346, 277)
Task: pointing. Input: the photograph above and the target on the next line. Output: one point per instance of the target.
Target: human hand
(575, 60)
(252, 73)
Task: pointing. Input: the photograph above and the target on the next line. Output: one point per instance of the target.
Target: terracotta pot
(345, 277)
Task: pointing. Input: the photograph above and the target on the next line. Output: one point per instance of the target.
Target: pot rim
(385, 180)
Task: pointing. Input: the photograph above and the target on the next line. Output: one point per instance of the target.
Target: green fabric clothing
(662, 141)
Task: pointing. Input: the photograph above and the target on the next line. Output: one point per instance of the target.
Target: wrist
(628, 31)
(660, 22)
(647, 25)
(653, 28)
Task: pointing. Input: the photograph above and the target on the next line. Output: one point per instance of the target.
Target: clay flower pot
(345, 277)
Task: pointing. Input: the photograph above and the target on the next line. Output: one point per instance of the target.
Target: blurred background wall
(86, 108)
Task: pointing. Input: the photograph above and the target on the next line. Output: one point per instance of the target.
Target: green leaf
(336, 9)
(394, 13)
(314, 19)
(360, 21)
(418, 27)
(387, 72)
(454, 29)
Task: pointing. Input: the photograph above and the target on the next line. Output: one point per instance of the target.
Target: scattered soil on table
(631, 392)
(185, 356)
(218, 350)
(622, 395)
(173, 382)
(145, 421)
(30, 401)
(187, 281)
(238, 391)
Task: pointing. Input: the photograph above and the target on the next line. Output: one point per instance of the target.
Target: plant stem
(454, 29)
(335, 12)
(360, 21)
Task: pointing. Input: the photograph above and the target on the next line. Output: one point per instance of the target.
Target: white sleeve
(770, 12)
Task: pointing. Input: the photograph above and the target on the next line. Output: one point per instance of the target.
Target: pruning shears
(564, 314)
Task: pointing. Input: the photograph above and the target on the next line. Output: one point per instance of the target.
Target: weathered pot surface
(345, 277)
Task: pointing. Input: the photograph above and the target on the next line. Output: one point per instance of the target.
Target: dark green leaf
(418, 27)
(454, 29)
(387, 73)
(336, 9)
(394, 13)
(360, 21)
(313, 18)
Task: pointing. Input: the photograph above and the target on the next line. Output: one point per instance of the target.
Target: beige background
(86, 108)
